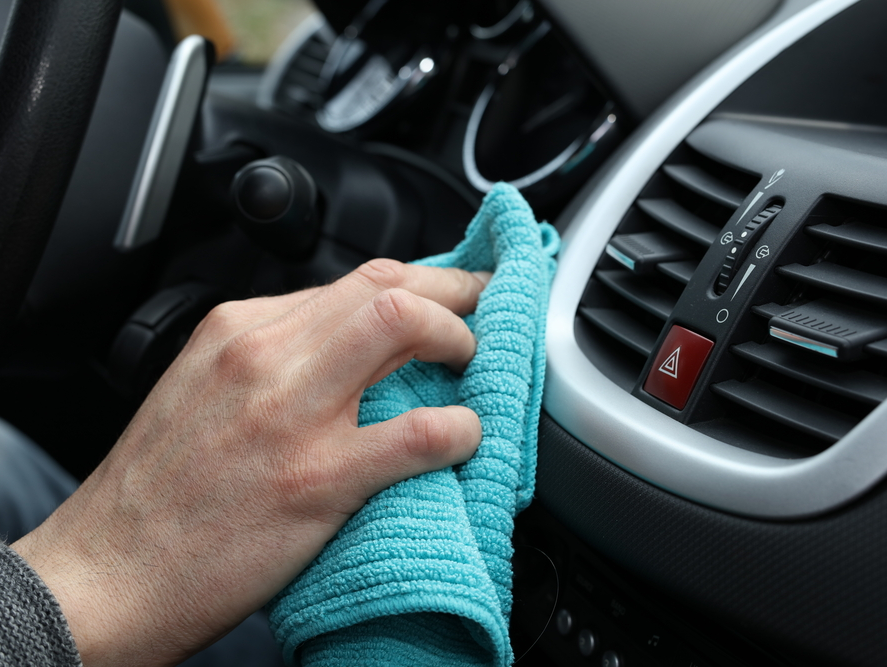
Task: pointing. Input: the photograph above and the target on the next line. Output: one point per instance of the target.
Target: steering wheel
(52, 59)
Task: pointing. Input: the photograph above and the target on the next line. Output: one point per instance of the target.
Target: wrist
(95, 611)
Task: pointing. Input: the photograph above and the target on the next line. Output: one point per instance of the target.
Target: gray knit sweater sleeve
(33, 630)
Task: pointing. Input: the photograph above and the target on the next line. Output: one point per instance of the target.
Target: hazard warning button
(677, 366)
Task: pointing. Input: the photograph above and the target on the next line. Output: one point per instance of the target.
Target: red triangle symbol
(670, 365)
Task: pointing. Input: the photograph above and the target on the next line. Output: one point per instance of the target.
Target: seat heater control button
(611, 659)
(677, 366)
(586, 642)
(564, 621)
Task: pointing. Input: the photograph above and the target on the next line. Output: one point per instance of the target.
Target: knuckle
(383, 273)
(314, 482)
(222, 320)
(243, 355)
(427, 435)
(396, 312)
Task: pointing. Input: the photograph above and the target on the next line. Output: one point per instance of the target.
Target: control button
(677, 366)
(611, 659)
(264, 193)
(586, 642)
(564, 622)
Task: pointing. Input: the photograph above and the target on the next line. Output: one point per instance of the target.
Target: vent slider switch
(830, 328)
(740, 246)
(644, 251)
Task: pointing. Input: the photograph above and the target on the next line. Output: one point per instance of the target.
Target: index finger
(454, 289)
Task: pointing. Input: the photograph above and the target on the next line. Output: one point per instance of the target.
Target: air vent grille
(818, 364)
(301, 90)
(652, 257)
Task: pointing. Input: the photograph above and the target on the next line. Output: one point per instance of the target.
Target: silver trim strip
(634, 435)
(480, 32)
(174, 115)
(469, 164)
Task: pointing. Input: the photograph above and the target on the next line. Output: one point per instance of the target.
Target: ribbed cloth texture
(421, 576)
(33, 630)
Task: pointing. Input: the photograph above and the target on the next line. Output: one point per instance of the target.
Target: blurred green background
(259, 26)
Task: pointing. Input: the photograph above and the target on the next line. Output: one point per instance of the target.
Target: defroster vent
(651, 258)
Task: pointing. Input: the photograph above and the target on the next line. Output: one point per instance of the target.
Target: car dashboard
(711, 453)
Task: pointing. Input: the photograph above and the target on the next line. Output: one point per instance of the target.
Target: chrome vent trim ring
(634, 435)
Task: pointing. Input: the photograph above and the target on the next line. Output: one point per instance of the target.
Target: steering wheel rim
(52, 59)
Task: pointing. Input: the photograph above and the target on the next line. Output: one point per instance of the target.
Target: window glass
(247, 31)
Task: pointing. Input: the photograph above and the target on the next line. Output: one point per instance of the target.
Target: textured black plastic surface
(51, 64)
(813, 589)
(81, 277)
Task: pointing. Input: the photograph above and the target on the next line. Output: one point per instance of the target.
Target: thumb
(415, 442)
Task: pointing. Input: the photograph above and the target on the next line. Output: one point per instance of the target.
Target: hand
(246, 459)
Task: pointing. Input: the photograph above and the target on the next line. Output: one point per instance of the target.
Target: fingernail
(483, 276)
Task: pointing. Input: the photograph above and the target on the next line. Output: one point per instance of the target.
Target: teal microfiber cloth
(421, 575)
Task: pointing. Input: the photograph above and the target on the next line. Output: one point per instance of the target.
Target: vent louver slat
(879, 348)
(858, 385)
(817, 365)
(679, 219)
(621, 327)
(855, 234)
(653, 256)
(840, 279)
(702, 183)
(639, 291)
(786, 408)
(301, 90)
(680, 271)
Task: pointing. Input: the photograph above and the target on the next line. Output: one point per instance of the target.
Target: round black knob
(277, 202)
(264, 193)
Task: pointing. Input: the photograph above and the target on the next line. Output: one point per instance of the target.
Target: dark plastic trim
(840, 279)
(702, 183)
(52, 60)
(674, 216)
(621, 327)
(857, 385)
(640, 291)
(854, 234)
(786, 408)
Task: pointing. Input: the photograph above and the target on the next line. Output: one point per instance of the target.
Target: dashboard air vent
(819, 362)
(653, 256)
(301, 89)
